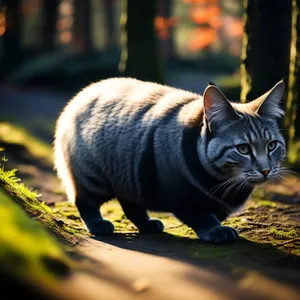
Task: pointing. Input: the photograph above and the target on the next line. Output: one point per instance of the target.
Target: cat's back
(121, 101)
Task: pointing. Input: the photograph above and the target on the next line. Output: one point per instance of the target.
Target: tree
(292, 119)
(139, 56)
(266, 46)
(12, 35)
(82, 25)
(110, 32)
(167, 35)
(49, 24)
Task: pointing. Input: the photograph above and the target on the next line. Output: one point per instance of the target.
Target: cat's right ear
(217, 108)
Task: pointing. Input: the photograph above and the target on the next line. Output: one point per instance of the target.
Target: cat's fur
(164, 149)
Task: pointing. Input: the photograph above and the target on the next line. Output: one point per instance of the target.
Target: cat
(154, 147)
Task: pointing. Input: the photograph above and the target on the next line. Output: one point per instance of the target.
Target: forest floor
(264, 263)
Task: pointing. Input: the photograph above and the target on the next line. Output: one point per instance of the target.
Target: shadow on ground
(228, 259)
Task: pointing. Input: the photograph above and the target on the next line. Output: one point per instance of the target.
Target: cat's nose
(265, 172)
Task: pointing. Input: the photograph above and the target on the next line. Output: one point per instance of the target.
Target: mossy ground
(267, 232)
(12, 186)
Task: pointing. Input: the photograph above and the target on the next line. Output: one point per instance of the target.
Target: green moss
(25, 245)
(18, 135)
(266, 203)
(13, 183)
(287, 233)
(235, 221)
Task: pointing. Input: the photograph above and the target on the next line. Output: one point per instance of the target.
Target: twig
(271, 224)
(284, 243)
(258, 223)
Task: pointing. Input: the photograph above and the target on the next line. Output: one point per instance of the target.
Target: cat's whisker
(228, 190)
(241, 186)
(278, 178)
(214, 189)
(289, 172)
(224, 184)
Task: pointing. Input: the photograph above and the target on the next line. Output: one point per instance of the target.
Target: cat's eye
(272, 145)
(243, 148)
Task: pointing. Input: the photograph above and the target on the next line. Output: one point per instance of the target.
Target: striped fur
(160, 148)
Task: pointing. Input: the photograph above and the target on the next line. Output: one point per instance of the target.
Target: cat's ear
(268, 105)
(217, 108)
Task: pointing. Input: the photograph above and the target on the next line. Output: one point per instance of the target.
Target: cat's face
(243, 141)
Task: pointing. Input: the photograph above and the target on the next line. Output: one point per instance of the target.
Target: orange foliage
(209, 15)
(201, 1)
(162, 25)
(64, 23)
(201, 38)
(65, 37)
(2, 23)
(66, 8)
(233, 27)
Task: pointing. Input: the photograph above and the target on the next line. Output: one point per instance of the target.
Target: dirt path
(263, 264)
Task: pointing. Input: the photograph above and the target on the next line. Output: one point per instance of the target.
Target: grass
(12, 182)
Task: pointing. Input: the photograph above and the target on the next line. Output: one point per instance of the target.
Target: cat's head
(242, 140)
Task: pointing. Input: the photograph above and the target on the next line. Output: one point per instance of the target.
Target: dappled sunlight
(13, 134)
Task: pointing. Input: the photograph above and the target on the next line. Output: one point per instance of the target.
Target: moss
(25, 245)
(17, 135)
(266, 203)
(286, 234)
(12, 183)
(235, 221)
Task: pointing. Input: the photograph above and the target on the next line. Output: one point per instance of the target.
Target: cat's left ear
(218, 111)
(268, 105)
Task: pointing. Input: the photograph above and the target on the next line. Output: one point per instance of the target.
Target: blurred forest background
(57, 41)
(245, 47)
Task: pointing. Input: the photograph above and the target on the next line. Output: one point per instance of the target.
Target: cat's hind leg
(138, 215)
(88, 205)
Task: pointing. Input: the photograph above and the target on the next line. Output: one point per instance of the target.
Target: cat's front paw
(151, 226)
(218, 235)
(100, 227)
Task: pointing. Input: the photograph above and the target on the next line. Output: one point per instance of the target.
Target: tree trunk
(266, 46)
(111, 38)
(12, 36)
(292, 119)
(49, 24)
(165, 9)
(140, 58)
(82, 25)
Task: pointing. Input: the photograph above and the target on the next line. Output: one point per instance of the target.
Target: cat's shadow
(242, 253)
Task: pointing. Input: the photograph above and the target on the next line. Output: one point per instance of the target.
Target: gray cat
(154, 147)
